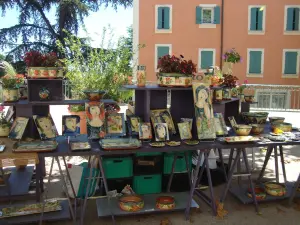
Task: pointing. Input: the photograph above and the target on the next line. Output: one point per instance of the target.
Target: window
(271, 99)
(207, 16)
(255, 62)
(256, 19)
(163, 18)
(160, 51)
(206, 58)
(290, 64)
(292, 19)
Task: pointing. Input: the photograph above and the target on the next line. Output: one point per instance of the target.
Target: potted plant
(10, 82)
(43, 65)
(230, 57)
(4, 124)
(228, 82)
(175, 72)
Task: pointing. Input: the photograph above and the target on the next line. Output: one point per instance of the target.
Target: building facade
(266, 33)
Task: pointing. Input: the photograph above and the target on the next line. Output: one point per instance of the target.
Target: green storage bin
(180, 165)
(148, 184)
(118, 167)
(148, 154)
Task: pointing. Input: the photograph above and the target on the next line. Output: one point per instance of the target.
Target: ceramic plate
(238, 139)
(75, 146)
(120, 143)
(276, 138)
(191, 142)
(173, 143)
(274, 134)
(157, 144)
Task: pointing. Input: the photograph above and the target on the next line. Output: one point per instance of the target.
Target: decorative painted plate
(157, 144)
(238, 139)
(120, 143)
(274, 134)
(173, 143)
(191, 142)
(75, 146)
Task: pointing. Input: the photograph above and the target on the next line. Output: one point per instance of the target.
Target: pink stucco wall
(186, 37)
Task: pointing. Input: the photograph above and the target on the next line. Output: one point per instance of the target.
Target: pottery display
(4, 130)
(165, 203)
(94, 95)
(10, 95)
(45, 72)
(285, 127)
(276, 119)
(44, 94)
(141, 76)
(249, 98)
(257, 128)
(275, 189)
(260, 193)
(131, 203)
(174, 80)
(242, 130)
(255, 117)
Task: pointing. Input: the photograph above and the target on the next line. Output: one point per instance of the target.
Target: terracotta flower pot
(10, 94)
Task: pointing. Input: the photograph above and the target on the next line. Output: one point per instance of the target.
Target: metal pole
(172, 172)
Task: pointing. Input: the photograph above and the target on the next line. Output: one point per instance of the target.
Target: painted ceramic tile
(232, 121)
(161, 131)
(204, 111)
(185, 131)
(45, 126)
(163, 116)
(115, 124)
(18, 128)
(71, 125)
(189, 120)
(9, 114)
(220, 125)
(145, 131)
(95, 119)
(133, 124)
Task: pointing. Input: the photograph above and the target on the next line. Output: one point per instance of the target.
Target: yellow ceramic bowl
(275, 189)
(276, 119)
(242, 130)
(257, 128)
(285, 127)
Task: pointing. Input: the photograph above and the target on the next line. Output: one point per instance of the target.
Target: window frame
(156, 54)
(162, 31)
(199, 57)
(212, 7)
(287, 94)
(257, 32)
(297, 66)
(248, 74)
(289, 32)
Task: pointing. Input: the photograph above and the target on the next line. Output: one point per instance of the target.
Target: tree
(35, 29)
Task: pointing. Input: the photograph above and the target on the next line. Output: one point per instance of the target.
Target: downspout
(222, 35)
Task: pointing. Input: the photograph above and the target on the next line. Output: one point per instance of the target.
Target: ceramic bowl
(249, 98)
(255, 117)
(285, 127)
(257, 128)
(165, 203)
(276, 119)
(94, 95)
(242, 130)
(275, 189)
(259, 193)
(131, 203)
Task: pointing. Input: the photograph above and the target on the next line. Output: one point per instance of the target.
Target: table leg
(230, 158)
(294, 191)
(194, 182)
(230, 175)
(222, 163)
(249, 178)
(239, 169)
(267, 158)
(172, 172)
(38, 182)
(186, 157)
(6, 182)
(282, 163)
(276, 164)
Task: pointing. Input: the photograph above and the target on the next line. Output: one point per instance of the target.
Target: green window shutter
(217, 15)
(297, 12)
(290, 64)
(198, 15)
(159, 17)
(260, 20)
(162, 51)
(166, 18)
(253, 18)
(255, 62)
(290, 17)
(206, 59)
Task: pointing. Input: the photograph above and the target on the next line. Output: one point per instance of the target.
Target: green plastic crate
(118, 167)
(148, 153)
(180, 165)
(148, 184)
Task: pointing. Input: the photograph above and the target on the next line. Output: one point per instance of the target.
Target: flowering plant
(10, 82)
(173, 64)
(229, 81)
(37, 59)
(232, 56)
(242, 87)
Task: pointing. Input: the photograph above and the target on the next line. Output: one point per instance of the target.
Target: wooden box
(55, 87)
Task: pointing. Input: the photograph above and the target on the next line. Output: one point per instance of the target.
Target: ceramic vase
(227, 68)
(10, 94)
(141, 76)
(4, 130)
(226, 93)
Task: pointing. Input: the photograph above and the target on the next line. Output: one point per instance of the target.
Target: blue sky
(118, 20)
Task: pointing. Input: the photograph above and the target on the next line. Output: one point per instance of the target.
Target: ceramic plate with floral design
(173, 143)
(157, 144)
(191, 142)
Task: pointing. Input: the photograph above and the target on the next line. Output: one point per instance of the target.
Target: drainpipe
(222, 35)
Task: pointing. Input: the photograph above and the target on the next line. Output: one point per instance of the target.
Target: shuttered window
(256, 18)
(208, 15)
(163, 18)
(160, 51)
(293, 19)
(291, 62)
(206, 58)
(255, 61)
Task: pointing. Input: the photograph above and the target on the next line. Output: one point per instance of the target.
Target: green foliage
(6, 68)
(104, 68)
(232, 56)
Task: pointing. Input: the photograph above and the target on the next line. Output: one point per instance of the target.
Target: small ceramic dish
(191, 142)
(131, 203)
(173, 143)
(257, 128)
(275, 134)
(242, 130)
(157, 144)
(259, 193)
(275, 189)
(276, 119)
(165, 203)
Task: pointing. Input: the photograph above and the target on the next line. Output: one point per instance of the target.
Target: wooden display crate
(55, 86)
